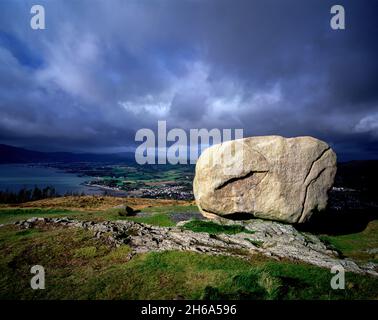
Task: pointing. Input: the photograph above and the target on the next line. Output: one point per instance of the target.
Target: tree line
(25, 195)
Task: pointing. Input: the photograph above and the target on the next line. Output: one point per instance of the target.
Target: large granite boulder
(269, 177)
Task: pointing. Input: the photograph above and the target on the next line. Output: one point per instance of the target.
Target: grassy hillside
(79, 266)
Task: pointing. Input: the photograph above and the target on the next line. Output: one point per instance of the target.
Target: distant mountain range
(10, 154)
(358, 174)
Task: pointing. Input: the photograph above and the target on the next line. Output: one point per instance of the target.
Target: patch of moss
(256, 243)
(214, 228)
(86, 252)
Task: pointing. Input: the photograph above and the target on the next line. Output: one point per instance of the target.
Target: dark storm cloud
(104, 69)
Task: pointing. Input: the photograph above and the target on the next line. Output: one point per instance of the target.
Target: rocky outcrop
(269, 177)
(268, 238)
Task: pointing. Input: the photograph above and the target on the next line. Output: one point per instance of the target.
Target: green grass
(355, 245)
(159, 216)
(78, 266)
(156, 219)
(172, 209)
(214, 228)
(81, 267)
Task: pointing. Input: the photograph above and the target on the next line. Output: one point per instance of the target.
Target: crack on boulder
(306, 192)
(316, 160)
(312, 180)
(246, 176)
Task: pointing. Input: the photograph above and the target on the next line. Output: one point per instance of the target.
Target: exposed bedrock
(269, 238)
(269, 177)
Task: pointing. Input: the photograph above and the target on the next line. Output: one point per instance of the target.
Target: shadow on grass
(335, 222)
(347, 212)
